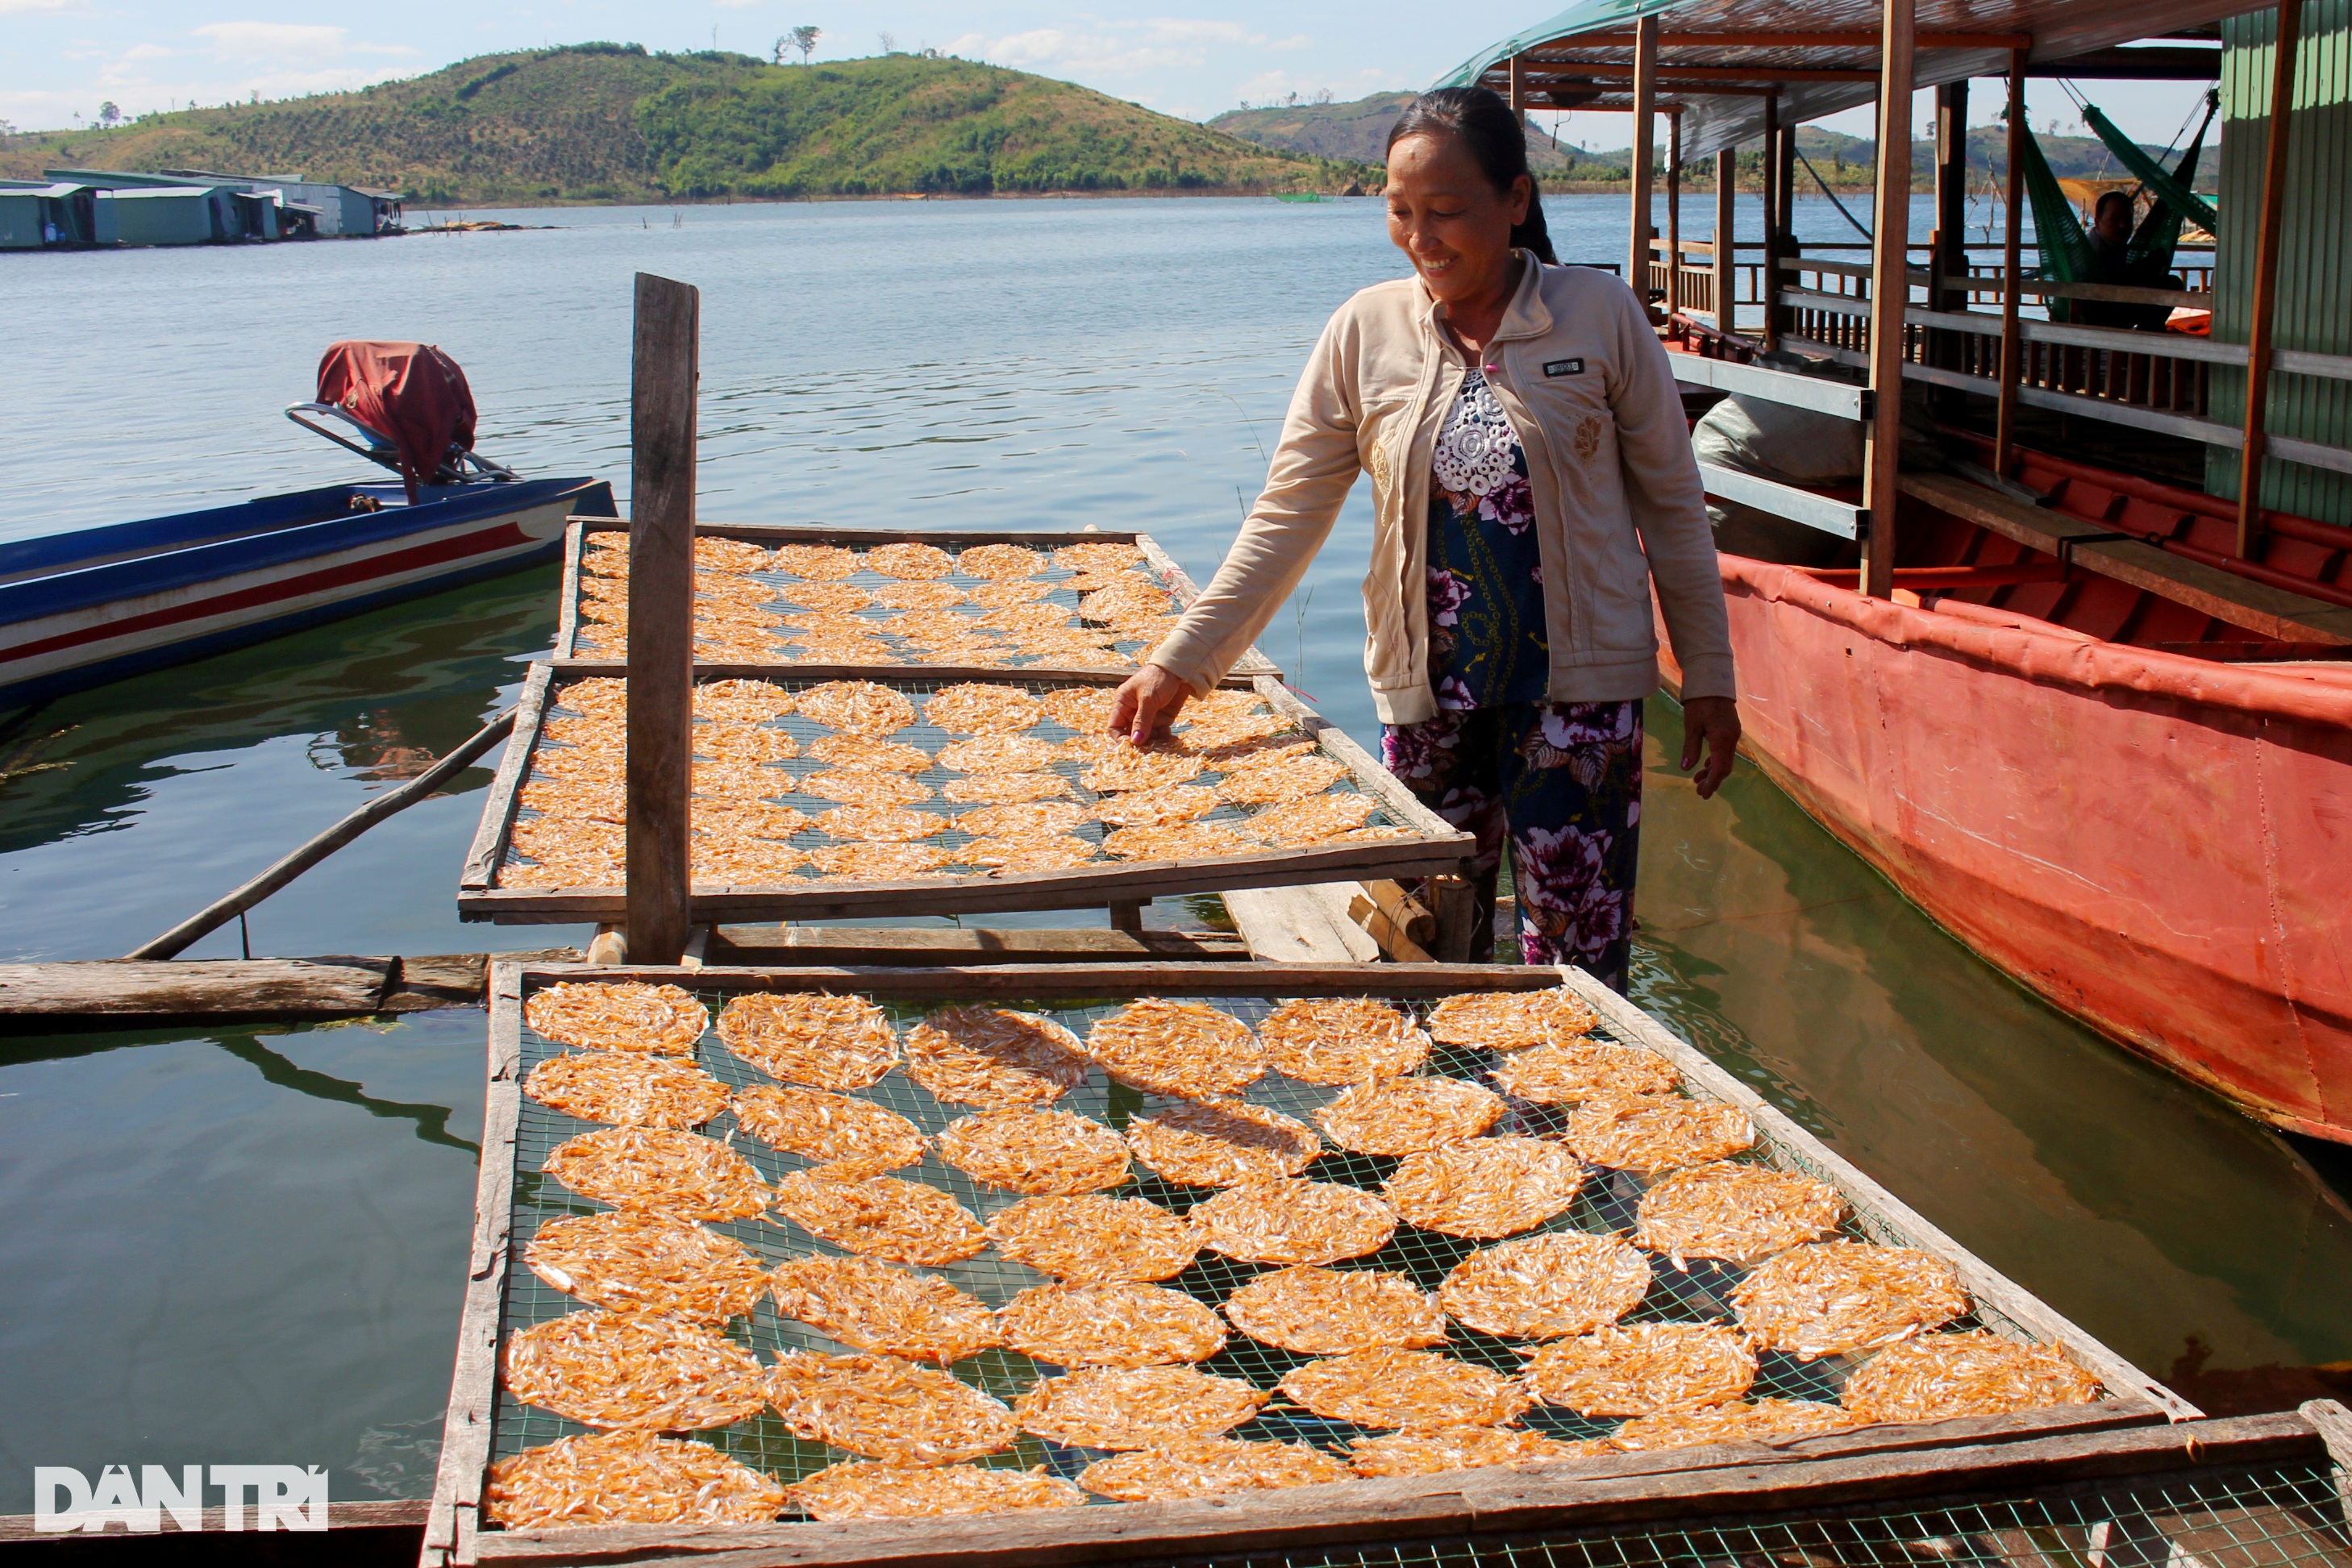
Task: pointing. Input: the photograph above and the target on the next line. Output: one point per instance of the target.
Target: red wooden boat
(2139, 809)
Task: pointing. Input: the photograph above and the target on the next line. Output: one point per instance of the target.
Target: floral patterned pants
(1561, 783)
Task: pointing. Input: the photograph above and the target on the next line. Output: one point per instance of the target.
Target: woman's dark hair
(1495, 138)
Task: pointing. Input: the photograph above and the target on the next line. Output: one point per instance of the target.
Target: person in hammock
(2112, 262)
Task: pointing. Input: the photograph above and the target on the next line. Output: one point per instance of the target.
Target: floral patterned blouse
(1487, 635)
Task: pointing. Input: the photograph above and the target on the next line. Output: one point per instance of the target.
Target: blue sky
(63, 58)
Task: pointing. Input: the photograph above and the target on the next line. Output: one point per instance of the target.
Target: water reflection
(2145, 1210)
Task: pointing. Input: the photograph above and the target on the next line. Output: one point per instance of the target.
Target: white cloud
(1120, 48)
(734, 5)
(41, 7)
(276, 43)
(147, 52)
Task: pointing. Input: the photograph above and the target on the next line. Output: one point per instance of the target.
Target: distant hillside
(610, 122)
(1358, 131)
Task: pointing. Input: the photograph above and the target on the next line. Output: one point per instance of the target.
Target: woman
(1532, 478)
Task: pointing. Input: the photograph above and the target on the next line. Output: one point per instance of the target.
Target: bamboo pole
(2012, 337)
(1645, 106)
(1519, 85)
(1890, 233)
(1727, 226)
(219, 912)
(1674, 211)
(1770, 290)
(661, 616)
(2259, 330)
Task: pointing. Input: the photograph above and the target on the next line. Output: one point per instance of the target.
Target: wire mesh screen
(784, 782)
(2268, 1518)
(1698, 1293)
(983, 625)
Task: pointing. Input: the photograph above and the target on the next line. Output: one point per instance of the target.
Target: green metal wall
(2314, 301)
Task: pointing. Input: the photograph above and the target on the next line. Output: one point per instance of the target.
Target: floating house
(173, 215)
(238, 206)
(35, 217)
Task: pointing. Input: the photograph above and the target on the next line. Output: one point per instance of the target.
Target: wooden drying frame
(2126, 1434)
(1163, 566)
(1439, 849)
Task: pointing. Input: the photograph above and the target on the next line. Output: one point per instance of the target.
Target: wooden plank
(1298, 925)
(947, 539)
(1645, 72)
(1890, 235)
(1732, 1482)
(2272, 612)
(1725, 248)
(473, 1384)
(194, 987)
(481, 868)
(567, 593)
(1987, 1284)
(2012, 364)
(1842, 399)
(455, 979)
(871, 944)
(343, 1517)
(2333, 1423)
(812, 671)
(661, 614)
(1046, 982)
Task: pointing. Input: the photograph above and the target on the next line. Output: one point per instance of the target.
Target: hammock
(2066, 252)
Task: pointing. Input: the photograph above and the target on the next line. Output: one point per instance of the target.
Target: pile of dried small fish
(812, 1037)
(891, 1311)
(1222, 1142)
(1546, 1287)
(881, 1217)
(1294, 1222)
(1937, 1377)
(679, 1174)
(1209, 1466)
(1094, 1238)
(1341, 1040)
(633, 1369)
(884, 1408)
(1760, 1422)
(1136, 1407)
(626, 1477)
(627, 1090)
(839, 1134)
(626, 1262)
(1737, 1213)
(1656, 1132)
(1044, 1154)
(1115, 1322)
(866, 1489)
(1509, 1020)
(1570, 1071)
(1336, 1311)
(994, 1058)
(1433, 1450)
(1644, 1369)
(1405, 1388)
(1182, 1049)
(1485, 1189)
(1407, 1115)
(628, 1017)
(1835, 1298)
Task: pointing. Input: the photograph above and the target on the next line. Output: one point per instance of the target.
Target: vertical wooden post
(2266, 260)
(1727, 229)
(661, 615)
(1951, 247)
(2012, 239)
(1771, 291)
(1645, 106)
(1674, 211)
(1519, 85)
(1890, 292)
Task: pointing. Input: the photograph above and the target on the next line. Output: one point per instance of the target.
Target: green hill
(610, 122)
(1358, 131)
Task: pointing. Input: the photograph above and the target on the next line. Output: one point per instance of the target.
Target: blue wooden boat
(80, 608)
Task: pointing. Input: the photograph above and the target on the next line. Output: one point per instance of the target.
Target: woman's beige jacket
(1618, 503)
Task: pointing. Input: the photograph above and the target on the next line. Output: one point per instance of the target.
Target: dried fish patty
(631, 1369)
(1390, 1387)
(889, 1311)
(857, 707)
(881, 1217)
(629, 1261)
(1040, 1154)
(881, 1407)
(626, 1477)
(680, 1174)
(1760, 1422)
(994, 1058)
(1182, 1049)
(1438, 1451)
(1644, 1369)
(1566, 1071)
(618, 1017)
(1657, 1132)
(1294, 1222)
(1939, 1376)
(1509, 1020)
(867, 1489)
(1209, 1466)
(1485, 1189)
(1741, 1214)
(1546, 1287)
(628, 1091)
(1345, 1040)
(1135, 1407)
(1112, 1322)
(915, 562)
(839, 1135)
(977, 707)
(1091, 1238)
(812, 1037)
(1408, 1115)
(1835, 1298)
(1222, 1142)
(1336, 1311)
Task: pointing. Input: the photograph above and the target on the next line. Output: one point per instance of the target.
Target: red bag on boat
(413, 394)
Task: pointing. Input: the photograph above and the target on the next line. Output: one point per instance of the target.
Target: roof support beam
(1519, 85)
(1774, 221)
(2266, 263)
(1890, 292)
(1612, 68)
(1644, 72)
(1673, 212)
(2012, 346)
(1850, 40)
(1726, 239)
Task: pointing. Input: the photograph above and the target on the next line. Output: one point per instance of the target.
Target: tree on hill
(803, 39)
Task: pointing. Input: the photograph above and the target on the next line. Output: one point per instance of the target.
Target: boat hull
(2157, 845)
(79, 610)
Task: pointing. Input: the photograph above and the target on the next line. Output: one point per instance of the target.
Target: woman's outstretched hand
(1715, 722)
(1147, 704)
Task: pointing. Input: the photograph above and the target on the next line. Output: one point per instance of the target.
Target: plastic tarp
(413, 394)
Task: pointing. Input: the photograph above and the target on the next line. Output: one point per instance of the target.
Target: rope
(1824, 184)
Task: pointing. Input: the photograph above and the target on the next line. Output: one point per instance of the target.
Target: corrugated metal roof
(1585, 54)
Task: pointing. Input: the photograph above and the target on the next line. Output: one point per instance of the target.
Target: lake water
(250, 1245)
